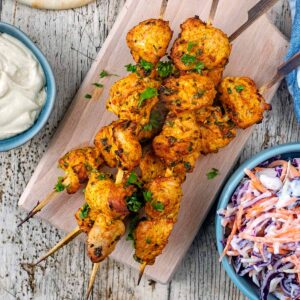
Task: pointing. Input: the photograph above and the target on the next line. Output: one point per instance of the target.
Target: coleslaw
(262, 228)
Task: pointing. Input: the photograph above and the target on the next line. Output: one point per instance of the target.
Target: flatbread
(55, 4)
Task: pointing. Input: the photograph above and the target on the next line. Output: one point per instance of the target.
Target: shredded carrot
(255, 182)
(229, 239)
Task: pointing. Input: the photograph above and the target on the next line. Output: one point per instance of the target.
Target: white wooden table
(70, 40)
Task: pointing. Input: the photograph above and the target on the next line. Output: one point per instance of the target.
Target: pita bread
(55, 4)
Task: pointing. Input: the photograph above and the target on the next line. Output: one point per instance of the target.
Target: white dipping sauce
(22, 87)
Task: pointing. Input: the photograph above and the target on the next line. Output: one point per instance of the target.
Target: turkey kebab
(102, 216)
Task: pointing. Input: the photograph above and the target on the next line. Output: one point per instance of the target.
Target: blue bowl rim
(225, 197)
(20, 139)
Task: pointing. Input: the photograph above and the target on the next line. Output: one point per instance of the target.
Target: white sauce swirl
(22, 87)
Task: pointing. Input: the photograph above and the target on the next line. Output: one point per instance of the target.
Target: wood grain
(71, 40)
(253, 59)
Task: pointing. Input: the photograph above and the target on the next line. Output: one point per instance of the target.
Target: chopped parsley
(188, 59)
(199, 94)
(104, 73)
(133, 203)
(88, 96)
(147, 196)
(154, 121)
(158, 206)
(133, 180)
(97, 84)
(101, 176)
(132, 225)
(59, 187)
(131, 68)
(191, 45)
(148, 93)
(147, 66)
(84, 211)
(187, 165)
(239, 88)
(212, 173)
(148, 241)
(229, 90)
(165, 68)
(199, 67)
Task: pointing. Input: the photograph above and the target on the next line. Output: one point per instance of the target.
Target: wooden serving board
(256, 53)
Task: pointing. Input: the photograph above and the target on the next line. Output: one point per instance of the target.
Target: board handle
(253, 14)
(282, 71)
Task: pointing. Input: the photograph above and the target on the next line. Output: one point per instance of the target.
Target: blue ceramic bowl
(25, 136)
(286, 151)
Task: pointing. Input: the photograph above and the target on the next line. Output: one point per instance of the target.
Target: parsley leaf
(158, 206)
(59, 187)
(131, 68)
(133, 180)
(199, 67)
(191, 45)
(229, 90)
(97, 84)
(104, 73)
(212, 173)
(239, 88)
(88, 96)
(154, 121)
(147, 196)
(147, 66)
(187, 165)
(132, 225)
(148, 93)
(165, 69)
(133, 203)
(188, 59)
(101, 177)
(84, 211)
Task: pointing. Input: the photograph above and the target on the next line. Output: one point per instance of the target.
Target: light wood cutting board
(256, 53)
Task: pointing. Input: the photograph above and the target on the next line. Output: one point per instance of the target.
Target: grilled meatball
(151, 237)
(78, 164)
(149, 40)
(187, 92)
(200, 46)
(216, 129)
(164, 195)
(242, 100)
(119, 145)
(103, 237)
(178, 138)
(133, 97)
(104, 195)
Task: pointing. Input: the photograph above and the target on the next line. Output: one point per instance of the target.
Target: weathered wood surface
(84, 118)
(65, 276)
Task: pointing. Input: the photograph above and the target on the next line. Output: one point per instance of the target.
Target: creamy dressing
(22, 87)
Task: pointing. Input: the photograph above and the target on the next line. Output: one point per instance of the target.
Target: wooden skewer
(92, 279)
(142, 269)
(282, 71)
(119, 178)
(39, 206)
(163, 8)
(75, 232)
(253, 14)
(212, 12)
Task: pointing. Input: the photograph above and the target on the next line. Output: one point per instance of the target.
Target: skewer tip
(92, 280)
(142, 269)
